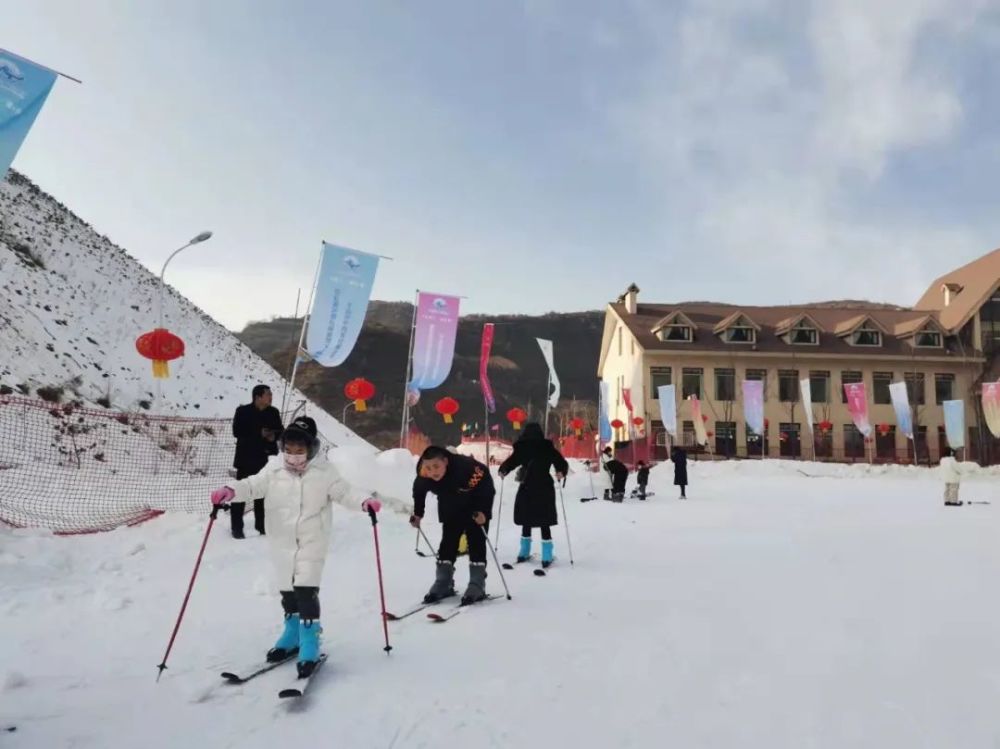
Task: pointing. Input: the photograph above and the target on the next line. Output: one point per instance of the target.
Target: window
(659, 376)
(691, 382)
(867, 335)
(885, 444)
(915, 388)
(760, 375)
(848, 378)
(819, 387)
(803, 334)
(880, 387)
(754, 446)
(989, 317)
(725, 438)
(725, 384)
(675, 333)
(854, 442)
(687, 433)
(943, 442)
(791, 444)
(920, 445)
(740, 334)
(944, 388)
(788, 385)
(927, 338)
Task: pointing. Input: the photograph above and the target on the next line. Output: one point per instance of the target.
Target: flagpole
(302, 333)
(405, 427)
(486, 430)
(43, 67)
(284, 394)
(548, 388)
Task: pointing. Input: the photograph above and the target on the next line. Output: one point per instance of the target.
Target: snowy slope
(72, 304)
(773, 609)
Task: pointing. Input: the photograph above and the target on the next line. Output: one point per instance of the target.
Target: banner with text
(954, 423)
(901, 405)
(484, 361)
(434, 340)
(24, 87)
(753, 405)
(343, 288)
(857, 406)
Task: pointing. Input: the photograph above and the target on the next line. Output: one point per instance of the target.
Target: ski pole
(562, 501)
(372, 506)
(197, 564)
(496, 562)
(500, 509)
(421, 534)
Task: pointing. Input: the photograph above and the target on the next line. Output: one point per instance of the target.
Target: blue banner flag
(24, 87)
(954, 423)
(343, 289)
(603, 422)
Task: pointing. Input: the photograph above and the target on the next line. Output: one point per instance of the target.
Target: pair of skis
(298, 687)
(437, 618)
(538, 571)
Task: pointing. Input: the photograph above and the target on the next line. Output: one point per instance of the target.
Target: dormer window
(740, 334)
(803, 334)
(928, 338)
(866, 335)
(676, 333)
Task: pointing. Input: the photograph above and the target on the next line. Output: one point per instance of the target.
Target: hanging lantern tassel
(160, 346)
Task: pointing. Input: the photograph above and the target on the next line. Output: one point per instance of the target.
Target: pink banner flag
(700, 435)
(857, 405)
(991, 406)
(433, 340)
(627, 397)
(484, 360)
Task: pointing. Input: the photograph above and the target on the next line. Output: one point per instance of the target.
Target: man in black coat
(679, 456)
(256, 427)
(464, 490)
(618, 472)
(535, 504)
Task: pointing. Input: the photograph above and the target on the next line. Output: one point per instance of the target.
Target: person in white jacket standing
(298, 485)
(951, 473)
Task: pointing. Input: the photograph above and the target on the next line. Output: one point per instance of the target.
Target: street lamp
(343, 416)
(203, 237)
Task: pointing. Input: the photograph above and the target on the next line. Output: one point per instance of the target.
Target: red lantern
(638, 421)
(517, 416)
(704, 417)
(161, 346)
(825, 426)
(767, 423)
(447, 407)
(576, 424)
(883, 429)
(617, 424)
(359, 390)
(710, 434)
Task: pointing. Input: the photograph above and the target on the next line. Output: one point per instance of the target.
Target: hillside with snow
(72, 304)
(784, 605)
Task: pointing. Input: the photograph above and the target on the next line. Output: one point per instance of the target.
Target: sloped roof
(706, 316)
(911, 327)
(976, 281)
(849, 325)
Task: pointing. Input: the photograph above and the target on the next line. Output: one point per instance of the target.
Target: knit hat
(302, 431)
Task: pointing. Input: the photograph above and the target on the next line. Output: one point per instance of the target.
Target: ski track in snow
(768, 610)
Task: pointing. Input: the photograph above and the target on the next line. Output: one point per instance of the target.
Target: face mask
(296, 463)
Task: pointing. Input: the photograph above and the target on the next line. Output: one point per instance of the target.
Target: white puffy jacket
(951, 470)
(297, 515)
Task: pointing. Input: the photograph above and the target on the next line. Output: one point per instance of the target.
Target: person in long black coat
(535, 504)
(257, 428)
(679, 456)
(465, 491)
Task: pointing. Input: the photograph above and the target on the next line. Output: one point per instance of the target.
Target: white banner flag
(807, 400)
(546, 347)
(668, 408)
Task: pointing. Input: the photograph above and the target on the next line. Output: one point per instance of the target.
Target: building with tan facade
(943, 348)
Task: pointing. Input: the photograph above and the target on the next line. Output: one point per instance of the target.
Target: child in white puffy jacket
(298, 486)
(951, 472)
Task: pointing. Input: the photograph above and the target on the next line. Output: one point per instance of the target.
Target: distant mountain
(517, 370)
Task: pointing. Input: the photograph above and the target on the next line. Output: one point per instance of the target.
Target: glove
(223, 495)
(371, 505)
(415, 521)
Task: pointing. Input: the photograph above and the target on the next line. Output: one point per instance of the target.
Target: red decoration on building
(576, 424)
(825, 426)
(617, 424)
(883, 429)
(447, 407)
(638, 421)
(161, 346)
(359, 390)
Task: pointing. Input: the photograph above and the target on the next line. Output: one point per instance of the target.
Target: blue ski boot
(546, 553)
(524, 554)
(309, 632)
(288, 644)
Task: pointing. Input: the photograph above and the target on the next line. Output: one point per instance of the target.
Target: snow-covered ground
(777, 607)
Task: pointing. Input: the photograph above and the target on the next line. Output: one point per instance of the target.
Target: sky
(532, 155)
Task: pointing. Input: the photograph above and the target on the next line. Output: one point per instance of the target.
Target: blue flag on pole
(603, 423)
(343, 289)
(954, 423)
(24, 87)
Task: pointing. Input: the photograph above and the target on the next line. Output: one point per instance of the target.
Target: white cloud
(766, 125)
